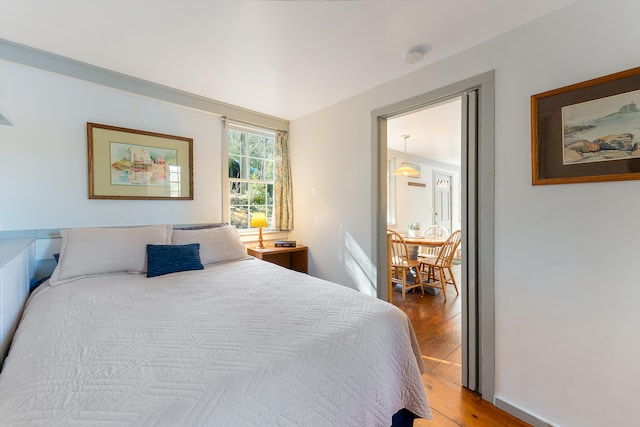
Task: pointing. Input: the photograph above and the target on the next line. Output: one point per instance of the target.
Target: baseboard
(521, 414)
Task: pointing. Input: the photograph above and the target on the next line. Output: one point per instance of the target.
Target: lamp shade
(407, 171)
(258, 219)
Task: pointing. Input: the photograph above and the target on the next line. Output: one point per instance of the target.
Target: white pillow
(95, 251)
(216, 244)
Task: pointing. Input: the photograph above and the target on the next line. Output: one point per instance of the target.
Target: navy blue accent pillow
(165, 259)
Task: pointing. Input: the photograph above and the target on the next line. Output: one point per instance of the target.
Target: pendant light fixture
(405, 169)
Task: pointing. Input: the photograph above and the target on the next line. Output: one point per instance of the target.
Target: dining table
(414, 243)
(424, 241)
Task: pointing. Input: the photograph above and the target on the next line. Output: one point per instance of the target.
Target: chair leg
(404, 284)
(425, 271)
(394, 274)
(442, 277)
(453, 280)
(419, 279)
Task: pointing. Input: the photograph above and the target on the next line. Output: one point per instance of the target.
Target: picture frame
(132, 164)
(588, 131)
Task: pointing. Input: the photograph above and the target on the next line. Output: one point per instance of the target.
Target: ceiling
(282, 58)
(435, 133)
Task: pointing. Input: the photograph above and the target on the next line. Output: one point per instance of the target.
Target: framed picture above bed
(138, 165)
(588, 131)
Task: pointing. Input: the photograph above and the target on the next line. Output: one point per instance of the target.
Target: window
(251, 153)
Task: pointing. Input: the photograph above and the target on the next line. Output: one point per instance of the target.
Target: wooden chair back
(401, 266)
(448, 250)
(436, 231)
(399, 250)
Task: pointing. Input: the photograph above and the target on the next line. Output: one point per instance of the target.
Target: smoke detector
(415, 54)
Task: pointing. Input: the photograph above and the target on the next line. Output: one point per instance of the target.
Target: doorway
(477, 189)
(432, 143)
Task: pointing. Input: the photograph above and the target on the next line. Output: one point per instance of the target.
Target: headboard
(16, 271)
(48, 241)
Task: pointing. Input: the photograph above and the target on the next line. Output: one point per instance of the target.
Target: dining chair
(437, 269)
(436, 232)
(401, 265)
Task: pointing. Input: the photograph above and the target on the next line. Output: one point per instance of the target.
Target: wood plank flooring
(438, 329)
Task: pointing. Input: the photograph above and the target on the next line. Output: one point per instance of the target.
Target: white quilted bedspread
(244, 343)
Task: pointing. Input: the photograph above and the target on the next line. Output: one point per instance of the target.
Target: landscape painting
(133, 164)
(141, 165)
(600, 130)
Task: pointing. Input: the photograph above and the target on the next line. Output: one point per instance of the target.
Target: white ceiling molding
(69, 67)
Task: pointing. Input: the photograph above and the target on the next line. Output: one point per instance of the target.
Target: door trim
(433, 198)
(481, 330)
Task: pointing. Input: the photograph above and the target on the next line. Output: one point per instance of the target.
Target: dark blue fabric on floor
(403, 418)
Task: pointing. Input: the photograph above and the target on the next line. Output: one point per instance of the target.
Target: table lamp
(259, 220)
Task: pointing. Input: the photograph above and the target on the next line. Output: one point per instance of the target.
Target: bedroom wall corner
(47, 149)
(332, 207)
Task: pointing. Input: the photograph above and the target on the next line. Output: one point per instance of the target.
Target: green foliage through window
(251, 174)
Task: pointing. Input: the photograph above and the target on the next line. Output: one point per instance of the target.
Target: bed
(152, 326)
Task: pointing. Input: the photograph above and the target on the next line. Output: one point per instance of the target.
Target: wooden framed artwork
(587, 132)
(138, 165)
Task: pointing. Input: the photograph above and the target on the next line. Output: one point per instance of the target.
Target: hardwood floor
(438, 329)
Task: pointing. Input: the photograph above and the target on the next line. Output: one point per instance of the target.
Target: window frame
(226, 156)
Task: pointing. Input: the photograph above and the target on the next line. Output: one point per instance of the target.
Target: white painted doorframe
(477, 171)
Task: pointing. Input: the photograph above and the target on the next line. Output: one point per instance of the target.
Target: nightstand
(291, 258)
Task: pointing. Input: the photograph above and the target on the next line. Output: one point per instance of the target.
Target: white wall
(566, 284)
(43, 156)
(415, 204)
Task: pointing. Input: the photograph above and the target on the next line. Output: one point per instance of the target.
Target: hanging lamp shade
(405, 169)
